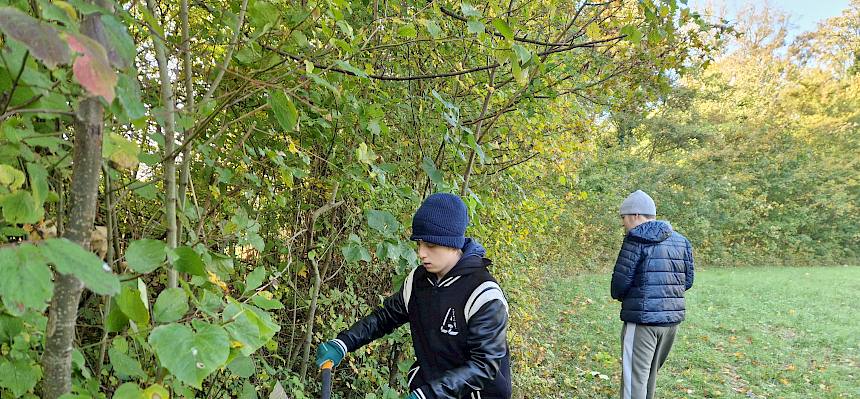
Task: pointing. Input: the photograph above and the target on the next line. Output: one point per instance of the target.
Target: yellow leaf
(236, 344)
(214, 279)
(67, 8)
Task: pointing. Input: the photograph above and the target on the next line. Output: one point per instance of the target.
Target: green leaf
(79, 363)
(407, 31)
(254, 279)
(250, 326)
(124, 365)
(70, 258)
(354, 252)
(134, 304)
(383, 222)
(150, 21)
(186, 260)
(365, 155)
(19, 376)
(171, 305)
(156, 391)
(86, 8)
(10, 177)
(284, 109)
(122, 151)
(324, 83)
(121, 42)
(145, 190)
(475, 26)
(249, 391)
(92, 68)
(38, 182)
(470, 11)
(522, 53)
(51, 11)
(433, 29)
(145, 255)
(26, 281)
(265, 303)
(129, 390)
(221, 265)
(188, 354)
(10, 327)
(632, 34)
(210, 303)
(503, 28)
(346, 66)
(346, 28)
(430, 168)
(42, 39)
(129, 96)
(20, 207)
(242, 366)
(116, 320)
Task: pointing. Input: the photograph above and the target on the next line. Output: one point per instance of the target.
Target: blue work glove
(329, 351)
(411, 396)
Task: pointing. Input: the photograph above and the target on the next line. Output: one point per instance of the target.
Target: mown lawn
(750, 333)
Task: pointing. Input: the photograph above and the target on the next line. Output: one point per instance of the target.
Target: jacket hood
(652, 231)
(472, 259)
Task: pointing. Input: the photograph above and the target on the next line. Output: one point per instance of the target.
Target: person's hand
(411, 396)
(329, 351)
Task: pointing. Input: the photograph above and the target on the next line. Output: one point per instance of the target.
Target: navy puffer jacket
(653, 270)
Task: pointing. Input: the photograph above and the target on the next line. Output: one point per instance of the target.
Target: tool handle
(326, 379)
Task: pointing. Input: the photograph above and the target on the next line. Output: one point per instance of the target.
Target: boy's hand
(411, 396)
(329, 351)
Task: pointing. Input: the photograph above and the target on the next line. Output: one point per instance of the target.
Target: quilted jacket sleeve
(690, 269)
(625, 268)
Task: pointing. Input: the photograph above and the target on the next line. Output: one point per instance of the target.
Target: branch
(521, 39)
(233, 44)
(592, 43)
(35, 110)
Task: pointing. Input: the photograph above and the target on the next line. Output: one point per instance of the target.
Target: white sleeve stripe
(488, 296)
(407, 289)
(420, 394)
(477, 292)
(342, 345)
(413, 372)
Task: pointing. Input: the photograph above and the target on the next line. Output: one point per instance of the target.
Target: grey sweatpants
(644, 349)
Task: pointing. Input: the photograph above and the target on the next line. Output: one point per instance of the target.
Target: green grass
(750, 333)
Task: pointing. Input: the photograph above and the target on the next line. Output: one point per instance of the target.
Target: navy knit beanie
(441, 220)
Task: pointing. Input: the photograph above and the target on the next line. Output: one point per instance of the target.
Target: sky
(805, 14)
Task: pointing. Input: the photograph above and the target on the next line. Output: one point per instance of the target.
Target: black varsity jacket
(458, 330)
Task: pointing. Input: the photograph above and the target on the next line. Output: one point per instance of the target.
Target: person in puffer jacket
(457, 313)
(653, 270)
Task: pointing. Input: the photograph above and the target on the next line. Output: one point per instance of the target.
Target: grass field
(750, 333)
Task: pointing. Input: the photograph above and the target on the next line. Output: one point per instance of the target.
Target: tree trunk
(478, 135)
(189, 108)
(169, 144)
(57, 359)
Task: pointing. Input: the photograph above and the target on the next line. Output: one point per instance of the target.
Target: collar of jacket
(473, 260)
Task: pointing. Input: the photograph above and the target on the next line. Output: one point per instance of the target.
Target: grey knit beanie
(638, 203)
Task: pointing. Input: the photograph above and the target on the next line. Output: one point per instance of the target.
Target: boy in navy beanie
(653, 270)
(456, 312)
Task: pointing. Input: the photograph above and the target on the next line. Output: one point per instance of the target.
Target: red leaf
(92, 68)
(42, 39)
